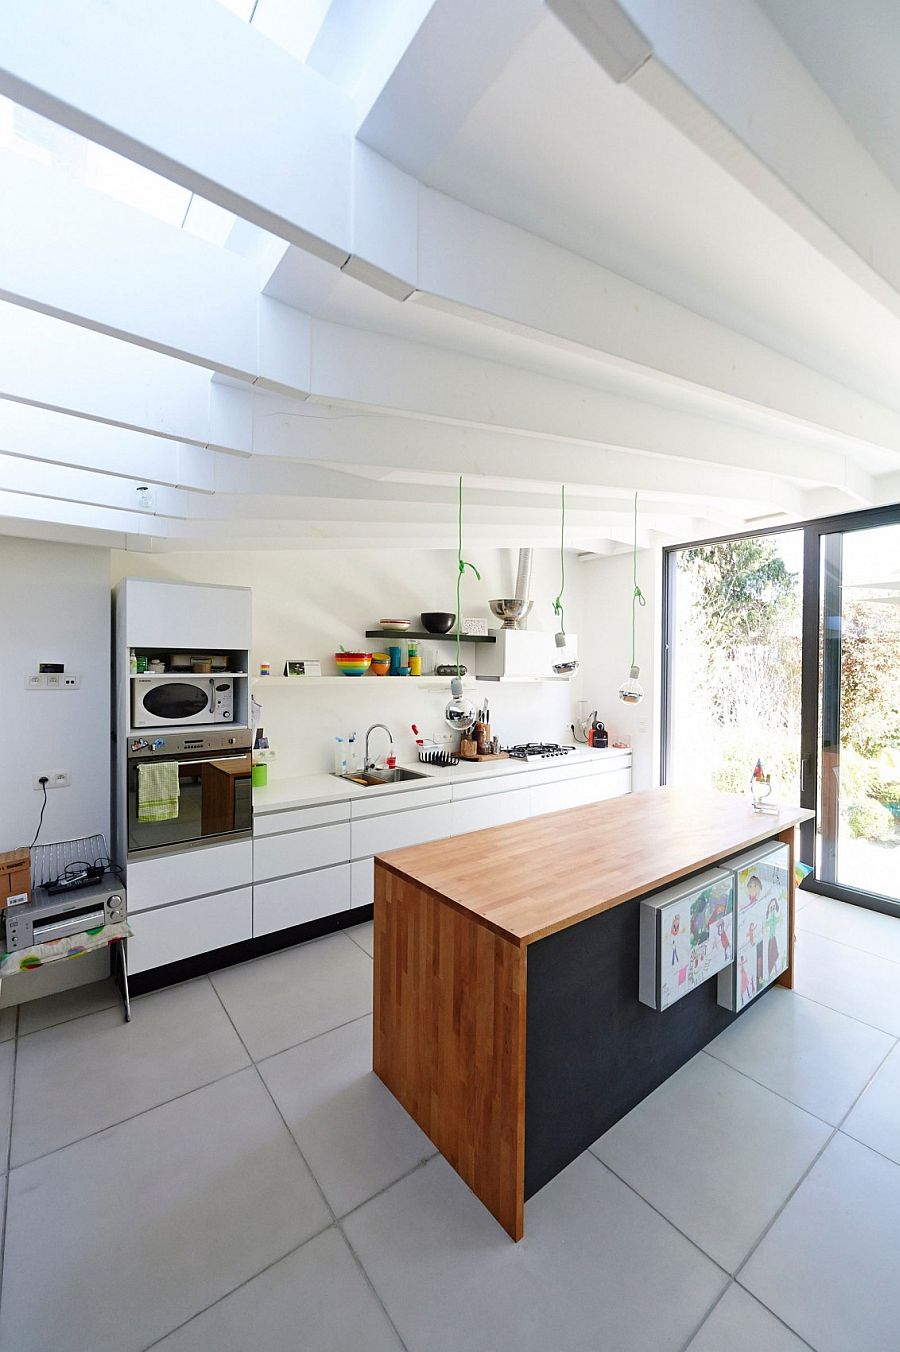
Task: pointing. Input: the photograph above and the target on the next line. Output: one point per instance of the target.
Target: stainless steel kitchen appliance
(57, 915)
(200, 793)
(180, 701)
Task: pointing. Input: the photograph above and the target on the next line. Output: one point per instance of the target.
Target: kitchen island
(507, 1020)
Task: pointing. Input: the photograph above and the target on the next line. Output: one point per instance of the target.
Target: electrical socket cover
(56, 779)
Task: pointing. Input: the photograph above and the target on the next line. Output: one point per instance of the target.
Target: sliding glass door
(858, 833)
(784, 646)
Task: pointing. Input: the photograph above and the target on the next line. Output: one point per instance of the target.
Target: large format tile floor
(226, 1174)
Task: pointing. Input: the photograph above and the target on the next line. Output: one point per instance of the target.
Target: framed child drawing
(687, 936)
(762, 905)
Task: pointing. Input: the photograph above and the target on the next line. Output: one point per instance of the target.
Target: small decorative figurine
(761, 790)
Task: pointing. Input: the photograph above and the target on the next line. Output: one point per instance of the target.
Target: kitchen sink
(370, 778)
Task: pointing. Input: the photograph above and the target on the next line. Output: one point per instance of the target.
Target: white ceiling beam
(725, 76)
(54, 365)
(55, 438)
(94, 69)
(85, 486)
(33, 508)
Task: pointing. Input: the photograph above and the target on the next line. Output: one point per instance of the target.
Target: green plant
(870, 820)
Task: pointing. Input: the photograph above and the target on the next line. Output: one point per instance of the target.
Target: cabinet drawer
(477, 814)
(190, 873)
(298, 851)
(400, 829)
(579, 791)
(304, 896)
(483, 788)
(190, 927)
(362, 882)
(299, 818)
(409, 800)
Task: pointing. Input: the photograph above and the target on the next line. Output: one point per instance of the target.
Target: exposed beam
(31, 479)
(33, 433)
(725, 76)
(95, 71)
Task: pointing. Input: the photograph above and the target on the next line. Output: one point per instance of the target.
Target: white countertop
(309, 790)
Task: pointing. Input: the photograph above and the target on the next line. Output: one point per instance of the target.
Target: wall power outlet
(56, 779)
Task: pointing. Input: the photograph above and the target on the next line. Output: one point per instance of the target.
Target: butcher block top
(534, 877)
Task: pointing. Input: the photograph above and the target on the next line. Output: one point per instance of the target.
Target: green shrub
(870, 820)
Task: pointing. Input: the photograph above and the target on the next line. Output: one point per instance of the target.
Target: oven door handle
(186, 760)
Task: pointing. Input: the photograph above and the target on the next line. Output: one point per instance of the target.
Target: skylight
(26, 133)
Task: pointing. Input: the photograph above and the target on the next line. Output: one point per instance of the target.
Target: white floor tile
(740, 1324)
(8, 1023)
(817, 1058)
(7, 1060)
(828, 1266)
(354, 1134)
(364, 935)
(80, 1076)
(290, 996)
(854, 925)
(51, 1009)
(802, 900)
(848, 980)
(147, 1223)
(597, 1267)
(876, 1118)
(716, 1153)
(315, 1300)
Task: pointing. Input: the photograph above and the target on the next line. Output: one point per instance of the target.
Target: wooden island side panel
(449, 1037)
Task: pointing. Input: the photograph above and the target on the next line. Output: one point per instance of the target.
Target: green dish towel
(157, 791)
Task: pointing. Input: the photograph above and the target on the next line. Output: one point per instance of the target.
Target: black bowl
(437, 621)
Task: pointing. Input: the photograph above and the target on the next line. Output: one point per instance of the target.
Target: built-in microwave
(179, 701)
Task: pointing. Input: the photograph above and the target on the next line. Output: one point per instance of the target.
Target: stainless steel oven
(185, 788)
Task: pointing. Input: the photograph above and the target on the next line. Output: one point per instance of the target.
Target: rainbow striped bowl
(353, 664)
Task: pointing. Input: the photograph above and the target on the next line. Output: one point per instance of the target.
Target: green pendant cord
(463, 565)
(558, 603)
(637, 597)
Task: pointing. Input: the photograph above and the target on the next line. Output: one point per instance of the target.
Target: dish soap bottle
(340, 756)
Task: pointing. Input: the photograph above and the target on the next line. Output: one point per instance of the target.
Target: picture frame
(303, 666)
(762, 888)
(687, 936)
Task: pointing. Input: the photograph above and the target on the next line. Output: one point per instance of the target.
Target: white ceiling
(772, 392)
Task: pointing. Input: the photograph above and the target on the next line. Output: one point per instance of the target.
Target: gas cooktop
(539, 750)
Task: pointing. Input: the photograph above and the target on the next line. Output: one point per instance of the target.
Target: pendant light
(631, 691)
(460, 711)
(565, 665)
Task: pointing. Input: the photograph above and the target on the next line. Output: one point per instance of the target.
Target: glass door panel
(859, 711)
(734, 663)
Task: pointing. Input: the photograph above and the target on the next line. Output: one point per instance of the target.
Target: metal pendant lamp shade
(565, 665)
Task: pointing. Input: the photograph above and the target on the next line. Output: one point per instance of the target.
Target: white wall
(307, 603)
(54, 607)
(604, 643)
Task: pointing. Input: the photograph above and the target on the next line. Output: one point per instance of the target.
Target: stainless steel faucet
(370, 765)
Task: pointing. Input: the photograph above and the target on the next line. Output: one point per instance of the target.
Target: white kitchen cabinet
(189, 927)
(578, 790)
(299, 851)
(303, 896)
(186, 615)
(165, 878)
(362, 881)
(495, 809)
(299, 818)
(397, 830)
(407, 800)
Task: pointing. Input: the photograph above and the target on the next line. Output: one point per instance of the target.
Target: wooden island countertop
(512, 956)
(535, 877)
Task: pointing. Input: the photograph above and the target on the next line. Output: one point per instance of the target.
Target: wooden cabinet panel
(190, 927)
(302, 897)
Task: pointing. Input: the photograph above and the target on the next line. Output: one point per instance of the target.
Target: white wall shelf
(423, 682)
(181, 675)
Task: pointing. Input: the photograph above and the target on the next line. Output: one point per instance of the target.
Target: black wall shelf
(433, 638)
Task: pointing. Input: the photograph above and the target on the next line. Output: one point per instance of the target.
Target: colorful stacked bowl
(353, 664)
(381, 664)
